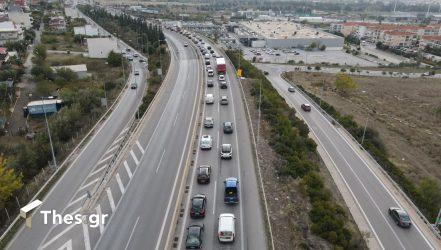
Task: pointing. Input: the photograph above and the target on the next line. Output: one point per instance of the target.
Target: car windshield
(225, 148)
(197, 202)
(228, 125)
(203, 171)
(404, 217)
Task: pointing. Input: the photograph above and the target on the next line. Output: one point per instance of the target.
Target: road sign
(239, 72)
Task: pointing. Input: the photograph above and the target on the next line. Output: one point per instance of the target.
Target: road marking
(140, 147)
(98, 170)
(66, 246)
(105, 159)
(131, 234)
(58, 236)
(176, 118)
(77, 200)
(117, 140)
(99, 212)
(111, 202)
(124, 130)
(218, 139)
(120, 185)
(160, 161)
(134, 157)
(86, 236)
(129, 172)
(111, 149)
(88, 184)
(214, 199)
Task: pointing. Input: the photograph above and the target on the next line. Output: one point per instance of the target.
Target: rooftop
(74, 68)
(8, 26)
(283, 30)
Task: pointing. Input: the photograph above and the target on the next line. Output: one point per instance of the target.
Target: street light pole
(50, 137)
(258, 120)
(364, 130)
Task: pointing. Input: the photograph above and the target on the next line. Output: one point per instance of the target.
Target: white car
(206, 142)
(209, 99)
(226, 230)
(226, 151)
(221, 78)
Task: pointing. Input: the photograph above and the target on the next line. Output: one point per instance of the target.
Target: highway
(370, 191)
(92, 157)
(250, 230)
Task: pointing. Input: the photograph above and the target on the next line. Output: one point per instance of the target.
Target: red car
(306, 107)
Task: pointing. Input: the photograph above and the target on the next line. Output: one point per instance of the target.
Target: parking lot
(307, 57)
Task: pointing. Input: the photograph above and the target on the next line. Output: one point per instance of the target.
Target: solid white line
(99, 212)
(88, 184)
(111, 149)
(86, 236)
(140, 147)
(111, 202)
(131, 234)
(129, 172)
(77, 200)
(105, 159)
(218, 139)
(120, 184)
(117, 140)
(134, 157)
(66, 246)
(160, 161)
(124, 130)
(214, 195)
(98, 170)
(58, 236)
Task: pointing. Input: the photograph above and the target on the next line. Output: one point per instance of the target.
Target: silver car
(206, 142)
(208, 122)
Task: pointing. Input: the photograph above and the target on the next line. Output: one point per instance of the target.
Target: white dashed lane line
(129, 172)
(120, 184)
(140, 147)
(134, 157)
(110, 197)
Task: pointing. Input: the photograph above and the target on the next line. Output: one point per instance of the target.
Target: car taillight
(202, 211)
(221, 234)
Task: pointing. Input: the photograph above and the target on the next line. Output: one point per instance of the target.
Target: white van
(209, 99)
(226, 229)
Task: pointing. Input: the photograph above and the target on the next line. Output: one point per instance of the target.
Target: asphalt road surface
(370, 193)
(249, 225)
(66, 194)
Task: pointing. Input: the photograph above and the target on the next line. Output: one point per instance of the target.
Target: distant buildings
(80, 69)
(285, 34)
(10, 32)
(57, 24)
(101, 47)
(4, 56)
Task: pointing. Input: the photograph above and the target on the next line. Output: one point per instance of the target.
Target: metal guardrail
(434, 230)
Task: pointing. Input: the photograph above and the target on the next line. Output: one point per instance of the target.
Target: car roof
(224, 97)
(226, 222)
(306, 104)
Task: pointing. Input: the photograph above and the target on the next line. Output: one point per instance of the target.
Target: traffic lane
(155, 185)
(373, 197)
(68, 184)
(255, 231)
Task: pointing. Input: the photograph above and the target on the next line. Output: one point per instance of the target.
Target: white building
(101, 47)
(86, 30)
(10, 32)
(80, 69)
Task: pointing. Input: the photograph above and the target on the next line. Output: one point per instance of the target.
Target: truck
(220, 65)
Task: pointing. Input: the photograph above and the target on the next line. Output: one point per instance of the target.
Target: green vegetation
(289, 139)
(344, 83)
(114, 59)
(426, 195)
(9, 182)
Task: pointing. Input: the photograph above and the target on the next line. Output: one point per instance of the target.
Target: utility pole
(258, 120)
(50, 137)
(395, 6)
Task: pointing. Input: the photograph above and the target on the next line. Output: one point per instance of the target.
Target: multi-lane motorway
(250, 230)
(367, 188)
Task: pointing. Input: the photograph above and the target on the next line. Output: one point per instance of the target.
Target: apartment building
(57, 23)
(398, 38)
(432, 41)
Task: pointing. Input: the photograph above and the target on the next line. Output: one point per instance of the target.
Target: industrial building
(41, 107)
(285, 34)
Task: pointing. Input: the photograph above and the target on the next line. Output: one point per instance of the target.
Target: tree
(344, 84)
(114, 59)
(66, 75)
(430, 190)
(40, 52)
(9, 181)
(323, 47)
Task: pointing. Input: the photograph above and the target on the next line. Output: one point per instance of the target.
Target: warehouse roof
(283, 30)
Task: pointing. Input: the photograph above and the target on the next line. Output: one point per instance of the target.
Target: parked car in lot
(306, 107)
(231, 190)
(226, 151)
(400, 217)
(226, 229)
(224, 100)
(210, 83)
(209, 99)
(208, 122)
(194, 237)
(228, 127)
(291, 89)
(198, 204)
(204, 174)
(206, 142)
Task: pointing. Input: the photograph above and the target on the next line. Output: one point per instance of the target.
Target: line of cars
(198, 202)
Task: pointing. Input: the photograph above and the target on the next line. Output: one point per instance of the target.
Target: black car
(210, 83)
(223, 85)
(198, 203)
(400, 217)
(204, 174)
(228, 127)
(194, 237)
